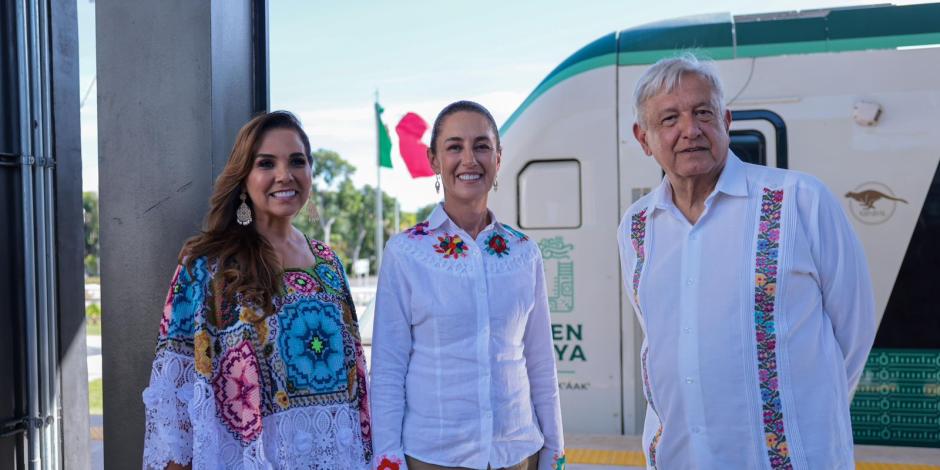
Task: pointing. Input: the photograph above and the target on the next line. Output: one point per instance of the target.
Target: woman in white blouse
(463, 370)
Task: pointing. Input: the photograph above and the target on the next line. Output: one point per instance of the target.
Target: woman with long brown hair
(259, 362)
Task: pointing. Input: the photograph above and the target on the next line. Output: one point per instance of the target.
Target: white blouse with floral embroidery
(463, 370)
(232, 390)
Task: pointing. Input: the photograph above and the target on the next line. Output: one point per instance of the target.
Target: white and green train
(850, 95)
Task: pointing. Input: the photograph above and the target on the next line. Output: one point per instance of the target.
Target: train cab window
(750, 146)
(550, 194)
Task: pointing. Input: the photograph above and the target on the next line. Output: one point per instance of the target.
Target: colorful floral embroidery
(328, 276)
(282, 399)
(389, 463)
(418, 230)
(638, 235)
(768, 244)
(238, 392)
(559, 462)
(300, 282)
(496, 245)
(323, 251)
(521, 236)
(187, 297)
(451, 245)
(311, 344)
(365, 417)
(202, 350)
(654, 443)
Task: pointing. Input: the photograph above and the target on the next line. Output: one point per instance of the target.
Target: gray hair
(666, 75)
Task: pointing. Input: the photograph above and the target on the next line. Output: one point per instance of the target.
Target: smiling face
(686, 130)
(280, 178)
(466, 156)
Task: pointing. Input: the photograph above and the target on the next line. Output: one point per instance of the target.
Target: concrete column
(69, 237)
(176, 80)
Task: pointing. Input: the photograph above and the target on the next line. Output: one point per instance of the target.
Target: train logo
(559, 274)
(872, 203)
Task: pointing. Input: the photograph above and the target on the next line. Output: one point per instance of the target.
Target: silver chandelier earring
(243, 214)
(437, 183)
(495, 185)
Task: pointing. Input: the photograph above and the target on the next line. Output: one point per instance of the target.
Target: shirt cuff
(551, 459)
(391, 461)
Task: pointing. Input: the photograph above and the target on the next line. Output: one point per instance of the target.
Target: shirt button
(687, 330)
(689, 281)
(696, 429)
(689, 380)
(693, 236)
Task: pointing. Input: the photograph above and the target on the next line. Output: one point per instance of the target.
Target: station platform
(603, 452)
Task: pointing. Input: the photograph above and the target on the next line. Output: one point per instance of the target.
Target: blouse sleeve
(168, 433)
(362, 388)
(543, 378)
(391, 346)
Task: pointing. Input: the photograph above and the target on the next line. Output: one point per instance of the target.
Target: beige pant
(531, 463)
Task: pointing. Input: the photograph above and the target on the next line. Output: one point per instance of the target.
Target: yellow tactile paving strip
(632, 458)
(635, 459)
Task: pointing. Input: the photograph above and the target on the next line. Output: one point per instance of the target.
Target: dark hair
(456, 107)
(247, 263)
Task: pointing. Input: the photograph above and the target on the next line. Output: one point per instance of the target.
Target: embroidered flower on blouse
(261, 328)
(322, 251)
(202, 347)
(311, 344)
(521, 236)
(282, 399)
(389, 463)
(451, 246)
(188, 296)
(300, 282)
(496, 245)
(238, 392)
(418, 230)
(329, 277)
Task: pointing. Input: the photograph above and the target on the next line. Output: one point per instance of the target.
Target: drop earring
(243, 214)
(437, 183)
(495, 185)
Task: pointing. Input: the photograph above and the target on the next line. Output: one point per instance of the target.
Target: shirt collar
(732, 181)
(438, 218)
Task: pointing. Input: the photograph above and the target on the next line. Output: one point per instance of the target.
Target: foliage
(93, 319)
(95, 397)
(346, 213)
(424, 212)
(90, 211)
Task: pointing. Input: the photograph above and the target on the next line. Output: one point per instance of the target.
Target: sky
(329, 59)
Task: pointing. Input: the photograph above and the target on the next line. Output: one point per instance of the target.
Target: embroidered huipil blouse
(288, 391)
(463, 369)
(758, 321)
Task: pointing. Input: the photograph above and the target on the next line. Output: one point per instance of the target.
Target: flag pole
(379, 238)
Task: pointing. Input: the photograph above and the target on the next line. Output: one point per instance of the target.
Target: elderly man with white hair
(751, 288)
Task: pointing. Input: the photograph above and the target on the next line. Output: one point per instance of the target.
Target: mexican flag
(385, 142)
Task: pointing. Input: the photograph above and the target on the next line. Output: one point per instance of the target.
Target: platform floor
(593, 452)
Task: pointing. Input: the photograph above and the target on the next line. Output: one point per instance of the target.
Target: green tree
(328, 168)
(90, 211)
(423, 212)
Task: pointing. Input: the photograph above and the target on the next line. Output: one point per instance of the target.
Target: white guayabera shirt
(463, 370)
(758, 321)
